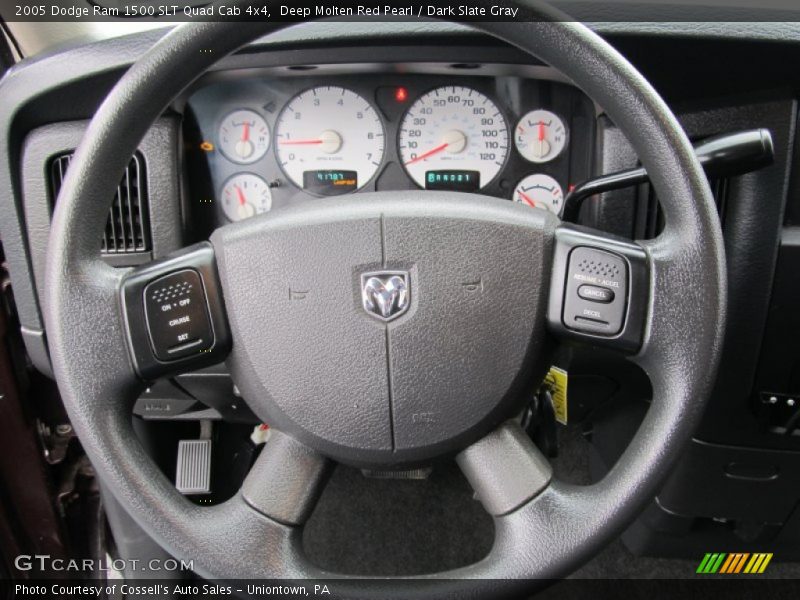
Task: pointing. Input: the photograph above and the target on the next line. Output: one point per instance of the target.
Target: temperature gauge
(245, 195)
(540, 136)
(244, 136)
(540, 191)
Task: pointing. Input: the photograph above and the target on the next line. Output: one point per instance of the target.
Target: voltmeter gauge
(540, 136)
(245, 195)
(540, 191)
(243, 136)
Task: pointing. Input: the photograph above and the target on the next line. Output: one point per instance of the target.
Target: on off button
(177, 315)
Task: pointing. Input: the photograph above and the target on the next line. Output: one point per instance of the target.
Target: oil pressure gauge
(540, 191)
(245, 195)
(243, 136)
(540, 136)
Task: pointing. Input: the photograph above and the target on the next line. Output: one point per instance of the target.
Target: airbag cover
(465, 283)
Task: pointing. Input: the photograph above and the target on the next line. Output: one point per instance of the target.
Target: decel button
(595, 293)
(177, 315)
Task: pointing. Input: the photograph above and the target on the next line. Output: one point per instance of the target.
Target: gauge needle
(528, 200)
(541, 131)
(240, 195)
(246, 132)
(428, 154)
(300, 142)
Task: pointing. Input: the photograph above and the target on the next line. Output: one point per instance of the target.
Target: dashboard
(258, 143)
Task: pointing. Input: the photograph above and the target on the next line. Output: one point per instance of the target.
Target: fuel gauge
(243, 136)
(245, 195)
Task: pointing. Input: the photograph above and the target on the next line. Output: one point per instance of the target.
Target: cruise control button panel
(599, 290)
(177, 315)
(596, 291)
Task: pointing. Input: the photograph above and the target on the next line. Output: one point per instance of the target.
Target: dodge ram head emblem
(385, 294)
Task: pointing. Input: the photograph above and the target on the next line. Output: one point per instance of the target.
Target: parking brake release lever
(723, 155)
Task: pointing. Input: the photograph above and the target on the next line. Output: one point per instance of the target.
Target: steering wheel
(388, 329)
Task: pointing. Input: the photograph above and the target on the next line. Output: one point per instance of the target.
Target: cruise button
(177, 316)
(595, 293)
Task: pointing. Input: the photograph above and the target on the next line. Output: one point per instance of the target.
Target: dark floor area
(406, 527)
(397, 527)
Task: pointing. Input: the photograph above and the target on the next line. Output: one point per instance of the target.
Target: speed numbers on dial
(329, 130)
(453, 129)
(245, 195)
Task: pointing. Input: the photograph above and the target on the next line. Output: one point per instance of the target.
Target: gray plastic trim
(505, 469)
(36, 346)
(286, 480)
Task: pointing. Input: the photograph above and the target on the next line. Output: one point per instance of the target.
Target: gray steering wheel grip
(544, 538)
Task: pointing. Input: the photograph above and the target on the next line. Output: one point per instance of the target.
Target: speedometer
(329, 140)
(453, 135)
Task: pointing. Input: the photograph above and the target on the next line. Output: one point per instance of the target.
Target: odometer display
(329, 129)
(455, 181)
(330, 183)
(453, 128)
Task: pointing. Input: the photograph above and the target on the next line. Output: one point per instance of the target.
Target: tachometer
(453, 130)
(329, 140)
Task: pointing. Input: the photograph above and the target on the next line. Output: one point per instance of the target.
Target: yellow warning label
(556, 380)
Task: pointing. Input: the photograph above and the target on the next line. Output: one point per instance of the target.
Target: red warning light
(401, 94)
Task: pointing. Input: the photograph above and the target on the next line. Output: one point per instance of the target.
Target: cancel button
(595, 293)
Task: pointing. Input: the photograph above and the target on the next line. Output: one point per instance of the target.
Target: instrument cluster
(267, 142)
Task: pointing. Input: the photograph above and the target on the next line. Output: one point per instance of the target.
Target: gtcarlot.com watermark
(47, 563)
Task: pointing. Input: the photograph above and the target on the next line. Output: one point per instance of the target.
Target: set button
(177, 315)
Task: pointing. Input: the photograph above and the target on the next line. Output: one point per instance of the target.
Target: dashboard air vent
(128, 228)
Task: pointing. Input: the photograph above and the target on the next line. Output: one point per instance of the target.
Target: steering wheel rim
(548, 535)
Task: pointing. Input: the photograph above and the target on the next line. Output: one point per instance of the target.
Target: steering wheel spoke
(505, 469)
(286, 480)
(599, 289)
(174, 313)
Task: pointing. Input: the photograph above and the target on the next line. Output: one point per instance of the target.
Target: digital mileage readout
(330, 182)
(454, 181)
